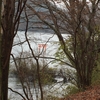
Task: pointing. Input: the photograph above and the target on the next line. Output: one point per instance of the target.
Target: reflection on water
(54, 90)
(16, 86)
(52, 46)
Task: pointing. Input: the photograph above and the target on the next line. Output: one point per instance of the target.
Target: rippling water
(57, 89)
(52, 46)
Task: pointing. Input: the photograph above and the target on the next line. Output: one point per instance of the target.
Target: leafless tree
(80, 20)
(10, 22)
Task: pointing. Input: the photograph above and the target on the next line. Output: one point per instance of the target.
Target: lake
(37, 39)
(57, 90)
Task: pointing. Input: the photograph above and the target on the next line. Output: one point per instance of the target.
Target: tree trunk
(0, 52)
(6, 45)
(83, 80)
(5, 67)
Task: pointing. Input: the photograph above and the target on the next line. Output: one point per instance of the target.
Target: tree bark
(0, 52)
(7, 41)
(9, 23)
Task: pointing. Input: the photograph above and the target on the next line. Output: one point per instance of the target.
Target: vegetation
(78, 19)
(96, 73)
(72, 90)
(27, 72)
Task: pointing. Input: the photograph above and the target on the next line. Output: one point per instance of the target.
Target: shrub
(72, 90)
